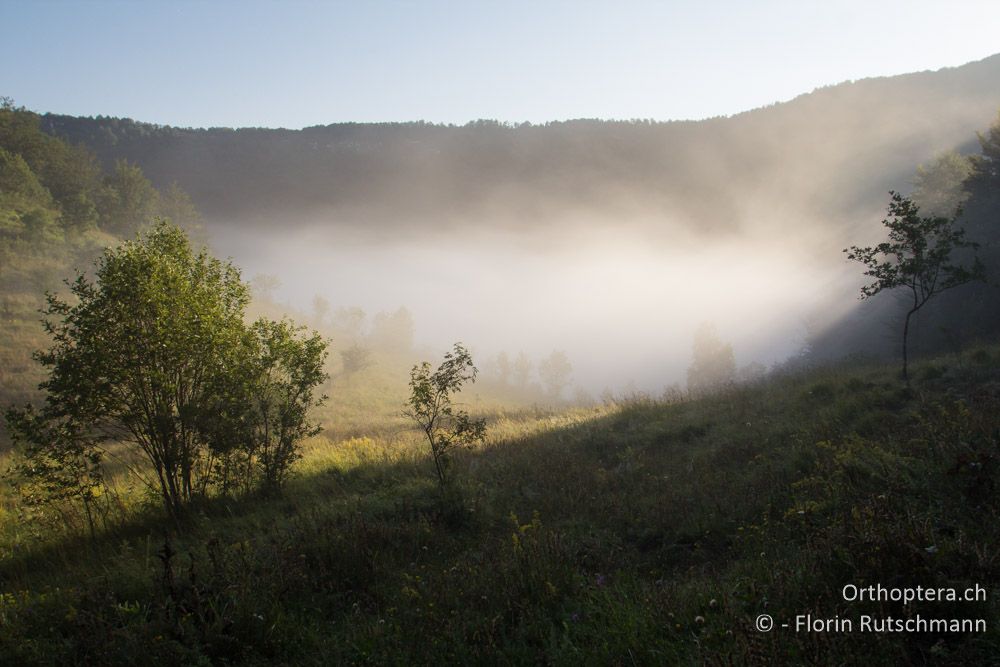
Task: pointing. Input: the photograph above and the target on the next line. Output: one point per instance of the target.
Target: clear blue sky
(293, 64)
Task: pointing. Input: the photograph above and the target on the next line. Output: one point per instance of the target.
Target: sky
(295, 64)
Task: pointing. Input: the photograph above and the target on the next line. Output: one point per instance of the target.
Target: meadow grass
(644, 531)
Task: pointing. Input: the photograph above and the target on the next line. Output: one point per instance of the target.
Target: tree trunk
(437, 459)
(906, 334)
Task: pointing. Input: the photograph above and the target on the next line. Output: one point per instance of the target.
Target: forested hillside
(966, 188)
(58, 208)
(808, 175)
(830, 152)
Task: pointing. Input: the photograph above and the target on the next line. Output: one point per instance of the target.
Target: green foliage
(430, 406)
(154, 354)
(128, 200)
(61, 467)
(355, 359)
(939, 187)
(986, 166)
(49, 187)
(612, 169)
(26, 207)
(658, 531)
(50, 193)
(176, 206)
(258, 412)
(68, 173)
(917, 257)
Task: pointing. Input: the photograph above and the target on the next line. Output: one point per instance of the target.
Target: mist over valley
(610, 240)
(609, 390)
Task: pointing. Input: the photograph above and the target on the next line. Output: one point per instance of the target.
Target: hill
(827, 155)
(744, 212)
(58, 210)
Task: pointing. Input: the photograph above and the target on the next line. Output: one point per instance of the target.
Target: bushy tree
(555, 371)
(264, 285)
(61, 467)
(714, 364)
(128, 199)
(176, 206)
(69, 174)
(26, 207)
(985, 177)
(430, 406)
(320, 309)
(917, 258)
(521, 370)
(355, 359)
(939, 187)
(152, 350)
(500, 368)
(349, 322)
(260, 409)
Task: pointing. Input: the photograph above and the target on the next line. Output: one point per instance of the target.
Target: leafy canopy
(917, 255)
(154, 354)
(430, 406)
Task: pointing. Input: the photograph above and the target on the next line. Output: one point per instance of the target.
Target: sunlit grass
(648, 529)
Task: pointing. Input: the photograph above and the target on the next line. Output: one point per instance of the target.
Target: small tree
(521, 370)
(261, 408)
(939, 187)
(128, 199)
(713, 364)
(355, 359)
(430, 406)
(500, 368)
(321, 308)
(349, 323)
(916, 257)
(554, 372)
(60, 467)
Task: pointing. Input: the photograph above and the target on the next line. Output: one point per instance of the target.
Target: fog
(622, 305)
(611, 241)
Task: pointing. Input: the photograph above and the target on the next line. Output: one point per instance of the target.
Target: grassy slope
(643, 533)
(27, 271)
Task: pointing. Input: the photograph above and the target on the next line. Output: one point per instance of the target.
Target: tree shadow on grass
(664, 485)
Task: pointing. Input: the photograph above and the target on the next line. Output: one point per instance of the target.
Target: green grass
(646, 532)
